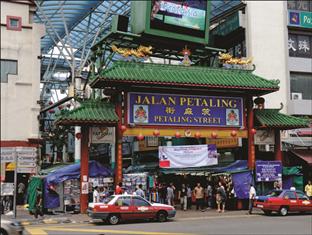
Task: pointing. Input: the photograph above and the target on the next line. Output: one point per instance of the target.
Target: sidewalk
(60, 218)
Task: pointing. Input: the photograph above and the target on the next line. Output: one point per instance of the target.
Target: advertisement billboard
(268, 171)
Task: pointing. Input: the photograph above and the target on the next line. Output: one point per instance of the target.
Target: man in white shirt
(96, 195)
(140, 191)
(252, 196)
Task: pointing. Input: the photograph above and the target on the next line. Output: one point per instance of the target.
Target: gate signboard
(184, 110)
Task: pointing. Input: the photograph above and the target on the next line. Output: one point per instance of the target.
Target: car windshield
(108, 199)
(274, 193)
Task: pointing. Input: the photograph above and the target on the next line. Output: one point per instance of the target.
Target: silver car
(11, 227)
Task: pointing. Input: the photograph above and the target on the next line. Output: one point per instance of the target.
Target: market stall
(62, 187)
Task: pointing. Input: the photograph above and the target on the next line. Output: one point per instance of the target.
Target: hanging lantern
(233, 133)
(253, 131)
(197, 135)
(51, 111)
(140, 137)
(177, 134)
(60, 107)
(50, 102)
(214, 135)
(156, 132)
(78, 136)
(123, 128)
(68, 105)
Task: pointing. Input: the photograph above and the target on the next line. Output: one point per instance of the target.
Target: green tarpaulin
(31, 191)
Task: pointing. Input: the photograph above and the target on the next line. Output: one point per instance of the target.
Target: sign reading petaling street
(184, 110)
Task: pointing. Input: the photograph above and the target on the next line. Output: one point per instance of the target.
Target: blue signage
(268, 171)
(184, 110)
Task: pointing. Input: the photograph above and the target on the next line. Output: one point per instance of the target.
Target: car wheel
(3, 232)
(113, 219)
(162, 216)
(267, 212)
(283, 211)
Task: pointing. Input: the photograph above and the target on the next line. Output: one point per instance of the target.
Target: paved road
(223, 224)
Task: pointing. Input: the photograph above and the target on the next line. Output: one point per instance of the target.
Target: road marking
(216, 217)
(36, 231)
(108, 231)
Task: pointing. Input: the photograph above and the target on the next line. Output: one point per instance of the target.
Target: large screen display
(186, 17)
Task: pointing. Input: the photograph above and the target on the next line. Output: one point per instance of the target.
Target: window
(302, 196)
(301, 86)
(8, 67)
(14, 23)
(140, 202)
(290, 195)
(123, 201)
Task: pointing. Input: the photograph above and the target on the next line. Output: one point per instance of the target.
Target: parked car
(284, 201)
(129, 207)
(10, 227)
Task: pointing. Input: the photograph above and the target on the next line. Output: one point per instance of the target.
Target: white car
(11, 227)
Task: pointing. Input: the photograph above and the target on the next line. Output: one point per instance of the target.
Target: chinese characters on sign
(300, 19)
(299, 45)
(165, 109)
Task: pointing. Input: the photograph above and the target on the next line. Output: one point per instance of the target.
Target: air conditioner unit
(296, 96)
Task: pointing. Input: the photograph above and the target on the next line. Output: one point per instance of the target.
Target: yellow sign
(10, 166)
(223, 143)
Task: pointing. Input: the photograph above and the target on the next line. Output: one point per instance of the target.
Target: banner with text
(268, 171)
(187, 156)
(184, 110)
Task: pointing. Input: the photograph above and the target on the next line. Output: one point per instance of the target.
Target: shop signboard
(230, 24)
(32, 170)
(187, 156)
(184, 110)
(224, 143)
(7, 189)
(100, 135)
(301, 19)
(8, 154)
(263, 137)
(268, 171)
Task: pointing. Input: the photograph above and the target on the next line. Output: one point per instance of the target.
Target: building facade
(20, 73)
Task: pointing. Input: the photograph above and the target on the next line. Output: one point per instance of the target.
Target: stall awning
(304, 154)
(90, 112)
(143, 74)
(272, 118)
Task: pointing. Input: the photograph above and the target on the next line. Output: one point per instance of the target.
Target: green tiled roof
(272, 118)
(177, 75)
(90, 112)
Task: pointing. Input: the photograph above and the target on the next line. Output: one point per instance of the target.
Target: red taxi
(129, 207)
(284, 201)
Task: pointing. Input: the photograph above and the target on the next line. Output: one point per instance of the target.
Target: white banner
(187, 156)
(100, 135)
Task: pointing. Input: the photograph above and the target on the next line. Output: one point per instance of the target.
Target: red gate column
(277, 146)
(118, 166)
(251, 145)
(84, 169)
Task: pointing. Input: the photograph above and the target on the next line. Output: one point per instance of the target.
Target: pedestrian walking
(209, 195)
(183, 197)
(199, 196)
(140, 191)
(96, 195)
(221, 198)
(170, 194)
(308, 189)
(38, 205)
(118, 189)
(252, 196)
(189, 197)
(20, 193)
(162, 193)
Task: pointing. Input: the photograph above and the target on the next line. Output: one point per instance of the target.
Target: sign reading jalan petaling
(184, 110)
